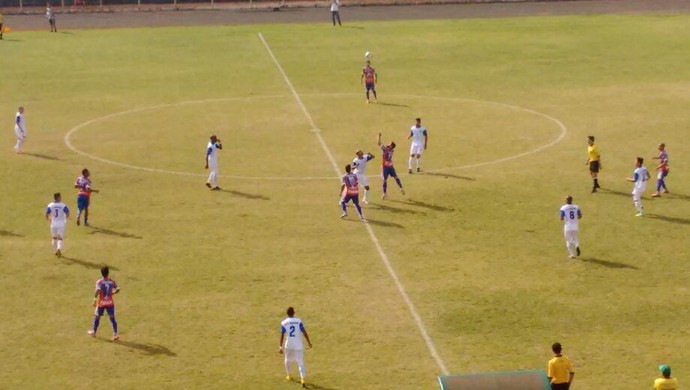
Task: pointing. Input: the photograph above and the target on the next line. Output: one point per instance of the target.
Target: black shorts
(560, 386)
(594, 166)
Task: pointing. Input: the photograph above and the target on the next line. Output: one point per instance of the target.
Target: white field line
(384, 258)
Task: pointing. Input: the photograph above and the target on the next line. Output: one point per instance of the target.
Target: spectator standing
(335, 13)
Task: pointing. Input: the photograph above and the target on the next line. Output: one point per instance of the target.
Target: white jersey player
(19, 129)
(570, 215)
(212, 162)
(360, 169)
(57, 213)
(420, 137)
(640, 177)
(291, 331)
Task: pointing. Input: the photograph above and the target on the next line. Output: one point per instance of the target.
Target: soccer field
(476, 244)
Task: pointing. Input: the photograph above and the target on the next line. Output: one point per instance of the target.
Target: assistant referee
(594, 161)
(560, 371)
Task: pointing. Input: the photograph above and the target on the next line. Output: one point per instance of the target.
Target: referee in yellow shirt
(560, 371)
(594, 161)
(665, 382)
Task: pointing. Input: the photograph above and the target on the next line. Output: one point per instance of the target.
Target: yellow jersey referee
(559, 371)
(665, 382)
(594, 162)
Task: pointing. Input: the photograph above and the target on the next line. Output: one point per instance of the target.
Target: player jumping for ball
(360, 167)
(387, 166)
(369, 78)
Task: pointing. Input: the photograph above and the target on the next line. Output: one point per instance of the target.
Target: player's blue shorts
(370, 86)
(389, 171)
(354, 198)
(82, 202)
(109, 309)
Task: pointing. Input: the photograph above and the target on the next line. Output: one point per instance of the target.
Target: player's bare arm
(378, 140)
(95, 298)
(306, 336)
(280, 347)
(426, 141)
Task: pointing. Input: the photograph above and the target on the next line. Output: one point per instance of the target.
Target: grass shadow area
(384, 223)
(42, 156)
(682, 221)
(314, 386)
(148, 349)
(448, 176)
(247, 195)
(425, 205)
(614, 192)
(108, 232)
(677, 196)
(395, 210)
(607, 263)
(7, 233)
(392, 105)
(87, 264)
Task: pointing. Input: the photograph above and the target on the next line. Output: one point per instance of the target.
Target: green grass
(206, 276)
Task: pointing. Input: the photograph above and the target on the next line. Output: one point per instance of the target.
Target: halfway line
(417, 318)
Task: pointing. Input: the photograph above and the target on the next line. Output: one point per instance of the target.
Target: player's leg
(594, 171)
(368, 89)
(419, 160)
(300, 365)
(96, 321)
(637, 201)
(343, 205)
(355, 200)
(663, 182)
(80, 208)
(87, 200)
(409, 161)
(338, 15)
(385, 175)
(0, 30)
(60, 239)
(397, 180)
(111, 314)
(364, 182)
(373, 89)
(288, 360)
(568, 243)
(54, 235)
(576, 241)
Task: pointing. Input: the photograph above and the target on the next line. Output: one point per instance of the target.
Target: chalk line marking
(384, 257)
(72, 131)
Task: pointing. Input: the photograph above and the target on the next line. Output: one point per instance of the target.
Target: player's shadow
(247, 195)
(87, 264)
(356, 27)
(42, 156)
(147, 349)
(425, 205)
(614, 192)
(448, 176)
(7, 233)
(385, 223)
(393, 104)
(395, 210)
(607, 263)
(66, 32)
(314, 386)
(683, 221)
(108, 232)
(678, 196)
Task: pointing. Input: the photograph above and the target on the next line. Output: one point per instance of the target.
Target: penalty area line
(382, 254)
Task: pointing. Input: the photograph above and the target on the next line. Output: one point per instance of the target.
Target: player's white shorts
(20, 134)
(57, 231)
(571, 236)
(417, 148)
(213, 165)
(639, 190)
(362, 179)
(294, 355)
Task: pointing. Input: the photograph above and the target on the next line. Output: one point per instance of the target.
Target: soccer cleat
(302, 382)
(116, 337)
(419, 169)
(361, 218)
(91, 332)
(365, 201)
(656, 194)
(597, 185)
(594, 189)
(368, 101)
(288, 378)
(571, 257)
(402, 191)
(78, 222)
(384, 196)
(639, 214)
(343, 215)
(216, 188)
(208, 185)
(409, 171)
(58, 253)
(666, 192)
(86, 223)
(577, 250)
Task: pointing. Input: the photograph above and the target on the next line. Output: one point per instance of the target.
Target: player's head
(569, 199)
(590, 140)
(665, 370)
(392, 145)
(662, 146)
(85, 172)
(291, 311)
(639, 161)
(418, 122)
(368, 63)
(57, 196)
(105, 271)
(214, 138)
(21, 109)
(359, 153)
(348, 168)
(556, 348)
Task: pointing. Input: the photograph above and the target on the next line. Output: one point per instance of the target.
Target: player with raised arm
(663, 171)
(19, 129)
(212, 149)
(420, 138)
(57, 213)
(359, 164)
(349, 190)
(640, 178)
(571, 215)
(103, 301)
(291, 331)
(387, 166)
(83, 185)
(369, 78)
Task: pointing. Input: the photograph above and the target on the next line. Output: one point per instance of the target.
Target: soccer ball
(368, 55)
